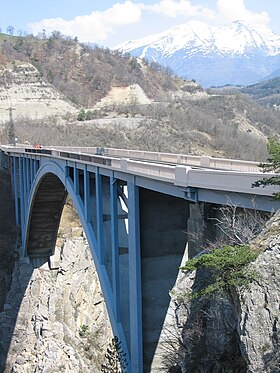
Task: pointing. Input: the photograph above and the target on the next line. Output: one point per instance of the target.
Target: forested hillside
(266, 92)
(82, 72)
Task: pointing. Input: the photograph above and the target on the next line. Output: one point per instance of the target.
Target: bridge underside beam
(45, 219)
(256, 202)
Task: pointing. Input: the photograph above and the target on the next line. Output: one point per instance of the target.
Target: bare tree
(10, 128)
(237, 225)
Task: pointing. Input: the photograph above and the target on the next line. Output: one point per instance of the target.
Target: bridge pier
(201, 227)
(163, 222)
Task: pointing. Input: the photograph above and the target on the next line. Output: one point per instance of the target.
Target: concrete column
(163, 232)
(196, 229)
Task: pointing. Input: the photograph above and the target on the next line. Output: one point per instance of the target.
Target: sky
(109, 23)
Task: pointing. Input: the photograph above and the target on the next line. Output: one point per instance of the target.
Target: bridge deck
(216, 174)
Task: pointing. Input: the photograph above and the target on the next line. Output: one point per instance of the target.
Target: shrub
(84, 330)
(81, 115)
(228, 266)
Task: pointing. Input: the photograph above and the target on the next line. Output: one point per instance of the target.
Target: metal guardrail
(189, 174)
(185, 159)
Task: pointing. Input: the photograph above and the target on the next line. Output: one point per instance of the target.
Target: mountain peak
(179, 47)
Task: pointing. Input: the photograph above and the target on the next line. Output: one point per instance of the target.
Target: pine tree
(272, 165)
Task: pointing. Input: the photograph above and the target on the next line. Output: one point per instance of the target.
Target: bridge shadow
(22, 273)
(163, 222)
(10, 269)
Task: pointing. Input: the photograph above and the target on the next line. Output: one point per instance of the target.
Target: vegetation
(116, 361)
(266, 92)
(87, 71)
(84, 331)
(87, 115)
(228, 267)
(272, 164)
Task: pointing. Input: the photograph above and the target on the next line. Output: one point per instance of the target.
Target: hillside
(266, 92)
(28, 95)
(84, 74)
(121, 101)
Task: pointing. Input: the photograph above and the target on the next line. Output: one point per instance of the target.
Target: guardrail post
(123, 163)
(205, 161)
(181, 175)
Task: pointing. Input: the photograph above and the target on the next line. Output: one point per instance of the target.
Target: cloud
(236, 10)
(173, 9)
(101, 26)
(94, 27)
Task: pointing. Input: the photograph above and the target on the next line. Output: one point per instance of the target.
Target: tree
(272, 165)
(56, 34)
(228, 267)
(10, 30)
(82, 115)
(116, 361)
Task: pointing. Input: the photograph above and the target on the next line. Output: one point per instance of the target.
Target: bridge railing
(148, 169)
(191, 160)
(184, 175)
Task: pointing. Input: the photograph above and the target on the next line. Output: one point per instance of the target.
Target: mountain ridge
(236, 54)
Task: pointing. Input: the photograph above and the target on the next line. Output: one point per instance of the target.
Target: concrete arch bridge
(137, 210)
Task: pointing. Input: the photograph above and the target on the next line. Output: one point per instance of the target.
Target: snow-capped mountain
(234, 54)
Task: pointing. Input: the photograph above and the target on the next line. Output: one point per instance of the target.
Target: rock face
(23, 90)
(260, 305)
(236, 332)
(62, 323)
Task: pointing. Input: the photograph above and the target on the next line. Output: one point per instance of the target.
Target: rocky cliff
(229, 333)
(55, 320)
(28, 95)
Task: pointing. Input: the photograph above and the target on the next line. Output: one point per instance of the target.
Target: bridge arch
(44, 218)
(46, 201)
(48, 192)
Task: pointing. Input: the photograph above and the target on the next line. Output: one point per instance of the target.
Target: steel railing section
(191, 160)
(181, 175)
